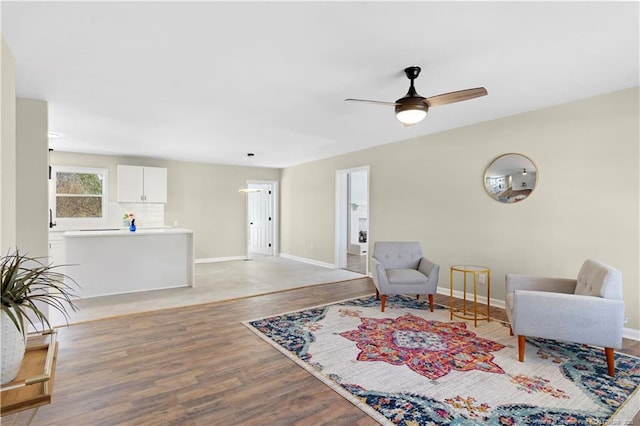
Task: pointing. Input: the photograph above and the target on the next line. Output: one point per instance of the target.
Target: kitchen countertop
(124, 232)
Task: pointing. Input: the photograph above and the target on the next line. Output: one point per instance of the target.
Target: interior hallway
(213, 282)
(356, 263)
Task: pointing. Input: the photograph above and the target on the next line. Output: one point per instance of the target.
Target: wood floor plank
(199, 366)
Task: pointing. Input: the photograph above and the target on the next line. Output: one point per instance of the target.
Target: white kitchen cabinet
(57, 251)
(137, 184)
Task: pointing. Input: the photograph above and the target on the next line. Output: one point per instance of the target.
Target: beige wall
(205, 197)
(202, 197)
(32, 174)
(8, 150)
(430, 189)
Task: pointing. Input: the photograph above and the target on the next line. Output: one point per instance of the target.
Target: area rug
(410, 366)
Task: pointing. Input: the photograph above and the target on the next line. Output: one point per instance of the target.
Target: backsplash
(147, 214)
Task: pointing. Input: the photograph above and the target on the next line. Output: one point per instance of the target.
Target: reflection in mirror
(510, 178)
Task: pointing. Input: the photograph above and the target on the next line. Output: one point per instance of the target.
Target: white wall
(518, 179)
(585, 204)
(8, 151)
(32, 148)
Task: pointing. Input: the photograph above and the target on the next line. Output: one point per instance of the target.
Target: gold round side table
(481, 276)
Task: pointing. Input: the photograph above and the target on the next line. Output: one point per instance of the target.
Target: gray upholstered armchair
(401, 268)
(587, 310)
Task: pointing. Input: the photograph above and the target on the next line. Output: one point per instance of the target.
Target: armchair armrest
(575, 318)
(526, 282)
(379, 274)
(430, 269)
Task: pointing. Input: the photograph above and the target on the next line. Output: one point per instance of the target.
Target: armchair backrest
(398, 255)
(600, 280)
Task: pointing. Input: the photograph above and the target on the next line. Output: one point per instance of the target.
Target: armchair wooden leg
(384, 300)
(522, 341)
(417, 297)
(431, 302)
(611, 365)
(377, 294)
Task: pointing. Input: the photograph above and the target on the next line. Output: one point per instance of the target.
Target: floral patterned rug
(410, 366)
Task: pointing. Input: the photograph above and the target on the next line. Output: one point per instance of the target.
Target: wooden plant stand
(33, 385)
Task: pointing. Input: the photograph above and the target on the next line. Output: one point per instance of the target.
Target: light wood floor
(198, 365)
(356, 263)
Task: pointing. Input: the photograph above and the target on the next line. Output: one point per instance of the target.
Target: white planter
(13, 346)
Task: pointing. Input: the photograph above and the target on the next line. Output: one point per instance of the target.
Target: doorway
(261, 218)
(352, 219)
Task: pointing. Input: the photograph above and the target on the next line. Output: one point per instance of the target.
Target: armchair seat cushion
(406, 277)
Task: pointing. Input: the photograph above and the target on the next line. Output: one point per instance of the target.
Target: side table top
(470, 268)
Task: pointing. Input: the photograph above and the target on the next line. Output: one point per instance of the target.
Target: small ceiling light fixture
(411, 113)
(247, 190)
(524, 172)
(250, 154)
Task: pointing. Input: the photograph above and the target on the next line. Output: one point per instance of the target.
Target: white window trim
(65, 221)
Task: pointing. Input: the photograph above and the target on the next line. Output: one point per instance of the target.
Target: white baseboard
(631, 333)
(481, 299)
(219, 259)
(310, 261)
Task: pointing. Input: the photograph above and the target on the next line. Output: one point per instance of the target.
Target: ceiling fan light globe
(411, 116)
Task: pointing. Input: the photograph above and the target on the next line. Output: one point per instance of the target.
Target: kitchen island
(105, 262)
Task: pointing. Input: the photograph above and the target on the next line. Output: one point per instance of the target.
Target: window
(79, 193)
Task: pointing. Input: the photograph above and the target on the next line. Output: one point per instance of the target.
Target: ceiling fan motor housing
(412, 101)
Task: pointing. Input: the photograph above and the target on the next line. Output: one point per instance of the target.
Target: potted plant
(28, 285)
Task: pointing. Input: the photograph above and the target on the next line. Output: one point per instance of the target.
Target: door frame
(341, 226)
(274, 216)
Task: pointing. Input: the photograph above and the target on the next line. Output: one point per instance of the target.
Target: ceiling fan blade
(373, 102)
(460, 95)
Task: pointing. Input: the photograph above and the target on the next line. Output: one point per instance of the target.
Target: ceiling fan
(412, 108)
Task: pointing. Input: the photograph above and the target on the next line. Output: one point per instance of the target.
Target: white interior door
(261, 217)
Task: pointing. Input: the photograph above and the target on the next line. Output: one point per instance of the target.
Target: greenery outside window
(79, 193)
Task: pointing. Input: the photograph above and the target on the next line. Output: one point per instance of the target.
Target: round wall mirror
(510, 178)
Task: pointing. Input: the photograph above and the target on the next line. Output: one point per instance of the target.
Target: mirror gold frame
(510, 178)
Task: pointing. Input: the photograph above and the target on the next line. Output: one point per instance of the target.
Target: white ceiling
(212, 81)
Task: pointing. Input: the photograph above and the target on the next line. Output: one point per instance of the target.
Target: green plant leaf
(27, 282)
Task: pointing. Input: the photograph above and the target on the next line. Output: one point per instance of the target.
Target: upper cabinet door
(137, 184)
(130, 184)
(155, 185)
